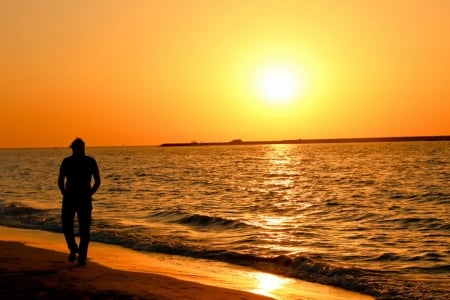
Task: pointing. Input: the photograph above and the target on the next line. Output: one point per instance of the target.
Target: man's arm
(61, 183)
(97, 180)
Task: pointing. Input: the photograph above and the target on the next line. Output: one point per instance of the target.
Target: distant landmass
(315, 141)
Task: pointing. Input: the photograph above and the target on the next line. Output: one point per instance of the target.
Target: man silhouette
(74, 182)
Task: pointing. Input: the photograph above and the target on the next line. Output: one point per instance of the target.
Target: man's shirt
(78, 169)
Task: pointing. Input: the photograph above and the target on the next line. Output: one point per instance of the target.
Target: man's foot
(72, 256)
(81, 262)
(81, 259)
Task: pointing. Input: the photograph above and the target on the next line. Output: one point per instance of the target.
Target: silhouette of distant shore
(315, 141)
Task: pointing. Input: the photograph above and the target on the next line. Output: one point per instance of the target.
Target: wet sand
(34, 273)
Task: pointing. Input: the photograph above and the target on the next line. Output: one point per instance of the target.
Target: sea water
(369, 217)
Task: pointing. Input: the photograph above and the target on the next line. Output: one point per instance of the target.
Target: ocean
(368, 217)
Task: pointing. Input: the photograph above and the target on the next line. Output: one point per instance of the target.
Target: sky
(149, 72)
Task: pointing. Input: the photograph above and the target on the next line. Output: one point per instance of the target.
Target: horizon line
(316, 141)
(244, 142)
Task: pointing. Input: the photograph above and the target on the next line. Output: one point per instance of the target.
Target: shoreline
(35, 261)
(29, 273)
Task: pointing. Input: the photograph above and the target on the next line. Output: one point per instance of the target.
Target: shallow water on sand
(203, 271)
(371, 217)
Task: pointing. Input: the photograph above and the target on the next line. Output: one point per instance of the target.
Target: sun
(278, 84)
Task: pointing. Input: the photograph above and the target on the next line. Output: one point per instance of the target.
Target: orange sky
(148, 72)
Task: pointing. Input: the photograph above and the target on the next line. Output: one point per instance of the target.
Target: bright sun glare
(268, 284)
(278, 84)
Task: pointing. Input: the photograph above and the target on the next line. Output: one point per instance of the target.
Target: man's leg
(84, 221)
(67, 216)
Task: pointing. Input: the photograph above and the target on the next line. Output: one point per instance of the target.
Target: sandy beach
(34, 273)
(34, 265)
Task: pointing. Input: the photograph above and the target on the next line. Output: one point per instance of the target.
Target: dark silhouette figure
(74, 182)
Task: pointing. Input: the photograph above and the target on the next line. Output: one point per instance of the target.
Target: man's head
(77, 146)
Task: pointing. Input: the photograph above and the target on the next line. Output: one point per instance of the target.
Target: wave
(422, 224)
(388, 257)
(23, 216)
(198, 220)
(381, 284)
(302, 267)
(376, 283)
(16, 209)
(207, 221)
